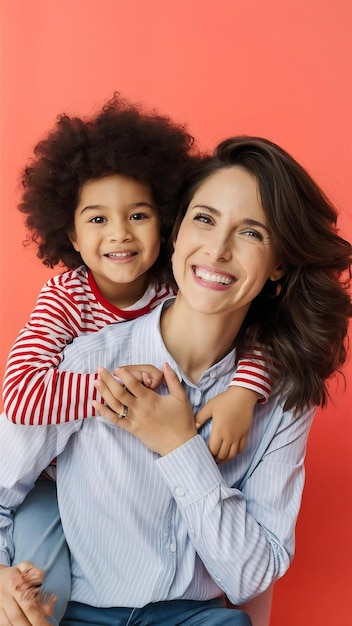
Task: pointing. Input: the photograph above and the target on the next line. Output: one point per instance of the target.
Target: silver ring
(123, 413)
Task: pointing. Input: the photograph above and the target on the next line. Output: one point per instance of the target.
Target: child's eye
(99, 219)
(137, 217)
(204, 218)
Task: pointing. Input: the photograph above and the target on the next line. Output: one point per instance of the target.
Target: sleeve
(244, 535)
(24, 454)
(33, 387)
(255, 371)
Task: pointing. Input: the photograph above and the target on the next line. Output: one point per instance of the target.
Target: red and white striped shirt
(69, 305)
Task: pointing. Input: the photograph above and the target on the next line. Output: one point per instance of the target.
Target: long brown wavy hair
(305, 327)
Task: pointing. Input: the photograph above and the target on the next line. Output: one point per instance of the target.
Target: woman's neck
(197, 340)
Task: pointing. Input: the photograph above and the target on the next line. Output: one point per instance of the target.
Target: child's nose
(119, 231)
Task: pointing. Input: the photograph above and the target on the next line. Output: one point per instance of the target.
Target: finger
(203, 415)
(173, 384)
(26, 567)
(214, 445)
(33, 613)
(223, 452)
(132, 386)
(148, 374)
(108, 414)
(30, 576)
(234, 450)
(113, 404)
(242, 444)
(156, 376)
(25, 612)
(112, 382)
(48, 600)
(112, 417)
(110, 390)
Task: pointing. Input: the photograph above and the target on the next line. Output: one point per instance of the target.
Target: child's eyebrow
(103, 207)
(93, 207)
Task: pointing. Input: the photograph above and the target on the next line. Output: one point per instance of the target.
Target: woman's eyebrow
(249, 222)
(207, 208)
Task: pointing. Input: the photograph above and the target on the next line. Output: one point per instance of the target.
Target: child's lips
(120, 255)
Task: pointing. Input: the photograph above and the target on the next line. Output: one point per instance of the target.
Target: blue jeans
(39, 538)
(170, 613)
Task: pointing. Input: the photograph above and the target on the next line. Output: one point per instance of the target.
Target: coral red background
(277, 69)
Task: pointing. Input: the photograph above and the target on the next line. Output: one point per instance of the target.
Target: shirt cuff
(190, 471)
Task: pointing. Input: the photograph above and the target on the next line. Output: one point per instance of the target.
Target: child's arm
(33, 388)
(35, 392)
(232, 410)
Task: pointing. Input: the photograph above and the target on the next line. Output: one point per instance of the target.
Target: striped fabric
(257, 372)
(68, 306)
(143, 528)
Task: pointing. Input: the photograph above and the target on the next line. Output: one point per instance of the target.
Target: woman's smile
(212, 277)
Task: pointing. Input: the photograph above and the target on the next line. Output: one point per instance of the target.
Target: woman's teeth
(213, 278)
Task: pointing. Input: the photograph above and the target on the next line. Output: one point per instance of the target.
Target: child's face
(117, 232)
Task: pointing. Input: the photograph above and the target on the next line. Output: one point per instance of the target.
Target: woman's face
(224, 254)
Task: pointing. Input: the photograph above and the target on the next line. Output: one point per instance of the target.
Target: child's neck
(122, 295)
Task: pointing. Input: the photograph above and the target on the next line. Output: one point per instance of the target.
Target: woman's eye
(204, 218)
(99, 219)
(249, 232)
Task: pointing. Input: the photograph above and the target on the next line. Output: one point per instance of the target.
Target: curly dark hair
(305, 327)
(120, 139)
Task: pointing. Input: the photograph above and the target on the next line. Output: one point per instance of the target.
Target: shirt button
(172, 547)
(179, 491)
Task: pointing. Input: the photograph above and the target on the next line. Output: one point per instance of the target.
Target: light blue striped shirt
(142, 528)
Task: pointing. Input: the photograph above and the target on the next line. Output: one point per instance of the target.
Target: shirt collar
(222, 368)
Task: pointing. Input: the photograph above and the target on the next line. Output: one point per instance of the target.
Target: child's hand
(148, 375)
(22, 601)
(232, 413)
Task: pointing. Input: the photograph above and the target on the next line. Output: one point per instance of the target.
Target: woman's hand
(161, 422)
(22, 602)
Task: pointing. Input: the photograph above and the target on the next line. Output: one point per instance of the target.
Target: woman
(153, 524)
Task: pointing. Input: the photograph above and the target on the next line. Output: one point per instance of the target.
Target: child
(107, 282)
(100, 197)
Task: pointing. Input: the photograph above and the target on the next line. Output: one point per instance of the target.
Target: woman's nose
(220, 248)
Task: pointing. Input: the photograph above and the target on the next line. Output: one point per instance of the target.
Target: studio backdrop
(279, 69)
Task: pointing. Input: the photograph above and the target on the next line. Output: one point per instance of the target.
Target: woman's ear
(278, 272)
